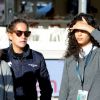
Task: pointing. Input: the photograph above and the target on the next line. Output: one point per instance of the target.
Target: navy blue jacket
(27, 70)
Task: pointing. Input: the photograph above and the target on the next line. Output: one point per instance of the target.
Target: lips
(23, 41)
(79, 39)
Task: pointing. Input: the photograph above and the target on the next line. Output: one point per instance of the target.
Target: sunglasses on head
(19, 33)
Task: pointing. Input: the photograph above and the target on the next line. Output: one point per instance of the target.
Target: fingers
(82, 25)
(83, 19)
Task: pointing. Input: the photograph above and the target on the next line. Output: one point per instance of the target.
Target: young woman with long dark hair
(81, 75)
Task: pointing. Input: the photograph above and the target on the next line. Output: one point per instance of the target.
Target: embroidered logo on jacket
(32, 65)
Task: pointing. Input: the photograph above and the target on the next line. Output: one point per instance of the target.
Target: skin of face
(18, 43)
(82, 38)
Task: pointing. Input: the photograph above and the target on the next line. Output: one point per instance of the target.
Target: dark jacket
(27, 70)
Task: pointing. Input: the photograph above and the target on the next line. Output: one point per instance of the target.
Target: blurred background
(48, 20)
(34, 10)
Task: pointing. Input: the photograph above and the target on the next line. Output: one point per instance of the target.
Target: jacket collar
(26, 51)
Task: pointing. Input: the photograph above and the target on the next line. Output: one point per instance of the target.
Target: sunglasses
(19, 33)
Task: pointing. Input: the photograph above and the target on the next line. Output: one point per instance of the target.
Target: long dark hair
(73, 46)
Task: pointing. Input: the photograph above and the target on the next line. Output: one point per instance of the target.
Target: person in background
(28, 66)
(6, 81)
(81, 74)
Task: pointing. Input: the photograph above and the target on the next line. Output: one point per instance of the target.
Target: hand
(83, 25)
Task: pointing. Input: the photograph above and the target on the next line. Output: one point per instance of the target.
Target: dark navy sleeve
(44, 82)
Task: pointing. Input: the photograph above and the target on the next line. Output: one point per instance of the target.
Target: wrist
(90, 29)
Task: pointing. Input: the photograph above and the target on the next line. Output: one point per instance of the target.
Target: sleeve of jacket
(63, 94)
(96, 34)
(8, 81)
(44, 82)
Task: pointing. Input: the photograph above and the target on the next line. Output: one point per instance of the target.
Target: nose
(79, 33)
(23, 35)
